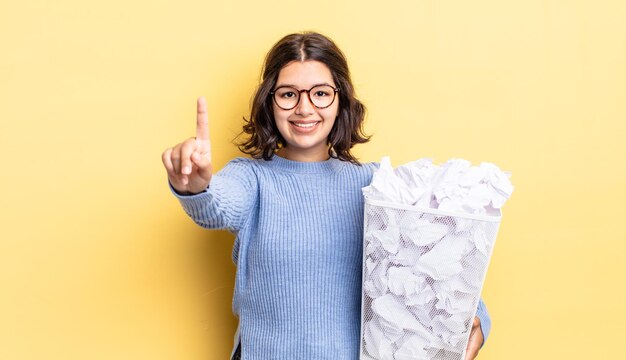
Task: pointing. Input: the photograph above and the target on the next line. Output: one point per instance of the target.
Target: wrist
(185, 192)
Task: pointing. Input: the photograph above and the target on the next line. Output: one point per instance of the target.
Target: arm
(228, 200)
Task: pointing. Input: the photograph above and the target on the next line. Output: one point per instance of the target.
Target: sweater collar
(329, 166)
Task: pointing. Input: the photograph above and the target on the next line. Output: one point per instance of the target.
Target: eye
(287, 92)
(322, 91)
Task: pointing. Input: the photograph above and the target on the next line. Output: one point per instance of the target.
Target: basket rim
(489, 218)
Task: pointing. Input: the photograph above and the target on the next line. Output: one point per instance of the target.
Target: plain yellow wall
(98, 260)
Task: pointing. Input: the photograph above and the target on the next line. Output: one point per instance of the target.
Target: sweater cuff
(485, 320)
(191, 203)
(182, 196)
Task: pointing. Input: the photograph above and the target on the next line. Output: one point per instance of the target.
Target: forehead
(304, 74)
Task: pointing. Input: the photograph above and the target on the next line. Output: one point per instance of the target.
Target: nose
(304, 107)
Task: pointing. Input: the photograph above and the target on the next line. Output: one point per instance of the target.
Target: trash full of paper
(428, 236)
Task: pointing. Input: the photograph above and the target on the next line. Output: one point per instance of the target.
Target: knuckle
(175, 154)
(187, 147)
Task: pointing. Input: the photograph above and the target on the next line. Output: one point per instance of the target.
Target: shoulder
(365, 167)
(240, 166)
(250, 167)
(372, 166)
(363, 171)
(242, 163)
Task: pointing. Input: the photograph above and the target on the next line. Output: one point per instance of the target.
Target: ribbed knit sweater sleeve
(227, 202)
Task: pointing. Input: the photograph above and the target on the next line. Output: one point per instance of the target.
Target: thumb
(203, 162)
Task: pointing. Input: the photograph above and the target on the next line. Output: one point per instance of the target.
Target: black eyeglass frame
(308, 93)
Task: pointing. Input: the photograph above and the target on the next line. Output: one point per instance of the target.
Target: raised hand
(188, 164)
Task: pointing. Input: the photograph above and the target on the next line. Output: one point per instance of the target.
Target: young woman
(296, 207)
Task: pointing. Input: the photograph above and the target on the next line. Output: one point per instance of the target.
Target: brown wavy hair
(262, 135)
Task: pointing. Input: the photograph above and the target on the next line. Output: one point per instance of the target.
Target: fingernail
(186, 170)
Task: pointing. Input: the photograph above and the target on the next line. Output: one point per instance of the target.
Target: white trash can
(423, 272)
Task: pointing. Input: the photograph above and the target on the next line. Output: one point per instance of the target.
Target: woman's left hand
(475, 340)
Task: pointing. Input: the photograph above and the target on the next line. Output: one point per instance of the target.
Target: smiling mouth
(305, 125)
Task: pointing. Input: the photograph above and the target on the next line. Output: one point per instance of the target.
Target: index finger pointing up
(202, 120)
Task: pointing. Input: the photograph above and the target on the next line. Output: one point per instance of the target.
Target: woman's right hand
(188, 164)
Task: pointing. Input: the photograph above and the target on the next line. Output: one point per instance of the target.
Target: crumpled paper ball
(454, 186)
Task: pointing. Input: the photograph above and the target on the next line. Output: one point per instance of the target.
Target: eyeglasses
(288, 97)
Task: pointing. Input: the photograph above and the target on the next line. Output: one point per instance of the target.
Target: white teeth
(308, 125)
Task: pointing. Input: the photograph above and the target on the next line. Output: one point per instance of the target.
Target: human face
(305, 128)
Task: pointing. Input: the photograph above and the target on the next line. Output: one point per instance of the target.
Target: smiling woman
(298, 254)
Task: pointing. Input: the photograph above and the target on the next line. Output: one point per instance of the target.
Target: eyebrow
(295, 87)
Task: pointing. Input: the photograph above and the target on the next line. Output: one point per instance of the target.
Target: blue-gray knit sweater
(298, 251)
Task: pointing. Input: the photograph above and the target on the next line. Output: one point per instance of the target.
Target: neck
(313, 155)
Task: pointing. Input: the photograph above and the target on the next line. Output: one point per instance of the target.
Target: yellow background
(98, 260)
